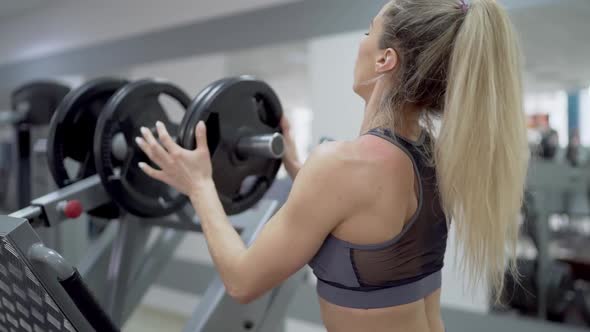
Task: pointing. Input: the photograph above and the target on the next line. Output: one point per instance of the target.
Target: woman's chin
(361, 91)
(357, 88)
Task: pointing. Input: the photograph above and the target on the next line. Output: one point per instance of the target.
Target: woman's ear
(387, 61)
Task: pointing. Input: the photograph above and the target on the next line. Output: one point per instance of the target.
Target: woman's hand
(290, 158)
(184, 170)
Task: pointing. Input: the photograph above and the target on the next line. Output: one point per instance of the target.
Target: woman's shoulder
(329, 177)
(367, 153)
(340, 155)
(333, 166)
(358, 167)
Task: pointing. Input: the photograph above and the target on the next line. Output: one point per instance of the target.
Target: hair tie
(464, 6)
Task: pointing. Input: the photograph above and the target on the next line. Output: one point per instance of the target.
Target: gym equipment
(560, 291)
(27, 292)
(5, 167)
(46, 298)
(522, 295)
(550, 189)
(242, 115)
(116, 154)
(124, 255)
(549, 144)
(33, 104)
(71, 136)
(572, 154)
(583, 302)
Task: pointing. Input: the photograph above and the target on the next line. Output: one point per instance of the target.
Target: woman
(367, 214)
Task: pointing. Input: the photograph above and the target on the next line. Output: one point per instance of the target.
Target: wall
(190, 74)
(555, 105)
(337, 111)
(585, 117)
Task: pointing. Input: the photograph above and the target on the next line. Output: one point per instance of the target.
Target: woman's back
(393, 206)
(420, 316)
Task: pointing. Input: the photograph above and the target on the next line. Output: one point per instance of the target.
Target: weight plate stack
(117, 155)
(71, 136)
(242, 115)
(38, 100)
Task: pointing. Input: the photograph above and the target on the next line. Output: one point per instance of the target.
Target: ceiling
(556, 43)
(555, 36)
(14, 8)
(33, 29)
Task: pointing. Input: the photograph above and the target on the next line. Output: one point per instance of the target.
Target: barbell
(93, 130)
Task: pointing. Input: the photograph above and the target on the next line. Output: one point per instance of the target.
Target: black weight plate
(71, 135)
(582, 302)
(134, 106)
(39, 99)
(521, 294)
(234, 108)
(560, 287)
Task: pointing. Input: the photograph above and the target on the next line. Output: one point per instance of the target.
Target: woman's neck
(407, 120)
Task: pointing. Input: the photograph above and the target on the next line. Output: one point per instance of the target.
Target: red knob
(73, 209)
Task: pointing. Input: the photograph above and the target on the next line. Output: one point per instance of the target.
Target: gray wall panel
(279, 24)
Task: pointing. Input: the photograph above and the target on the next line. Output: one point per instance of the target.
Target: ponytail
(482, 151)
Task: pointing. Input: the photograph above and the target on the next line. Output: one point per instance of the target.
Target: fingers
(150, 146)
(201, 137)
(165, 138)
(153, 173)
(285, 125)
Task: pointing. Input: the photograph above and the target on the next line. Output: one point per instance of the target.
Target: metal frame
(220, 313)
(23, 142)
(89, 192)
(21, 236)
(121, 264)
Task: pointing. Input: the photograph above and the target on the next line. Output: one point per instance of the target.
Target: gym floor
(146, 319)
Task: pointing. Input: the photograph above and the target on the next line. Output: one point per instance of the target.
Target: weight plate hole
(72, 167)
(248, 185)
(119, 147)
(213, 132)
(265, 113)
(172, 108)
(248, 325)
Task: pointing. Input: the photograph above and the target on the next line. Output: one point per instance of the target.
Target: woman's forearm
(226, 247)
(292, 168)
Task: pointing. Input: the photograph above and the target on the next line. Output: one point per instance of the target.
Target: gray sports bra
(402, 270)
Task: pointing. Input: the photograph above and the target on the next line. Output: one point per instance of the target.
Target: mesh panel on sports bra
(419, 249)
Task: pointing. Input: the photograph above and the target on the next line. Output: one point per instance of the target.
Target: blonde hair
(461, 62)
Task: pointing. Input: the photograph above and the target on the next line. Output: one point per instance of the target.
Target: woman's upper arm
(319, 200)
